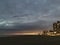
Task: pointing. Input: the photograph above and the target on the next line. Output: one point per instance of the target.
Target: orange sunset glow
(25, 33)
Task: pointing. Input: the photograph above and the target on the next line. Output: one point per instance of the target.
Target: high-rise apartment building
(56, 26)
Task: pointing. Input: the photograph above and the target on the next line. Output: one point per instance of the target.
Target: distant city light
(54, 32)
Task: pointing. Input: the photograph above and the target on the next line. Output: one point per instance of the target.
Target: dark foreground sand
(30, 40)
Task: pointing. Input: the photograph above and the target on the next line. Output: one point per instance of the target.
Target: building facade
(56, 26)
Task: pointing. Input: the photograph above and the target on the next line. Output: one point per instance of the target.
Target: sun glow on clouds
(25, 33)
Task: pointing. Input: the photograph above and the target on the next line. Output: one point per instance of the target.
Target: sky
(28, 14)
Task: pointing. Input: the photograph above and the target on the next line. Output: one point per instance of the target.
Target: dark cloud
(28, 14)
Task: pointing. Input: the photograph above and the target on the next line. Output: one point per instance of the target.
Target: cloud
(33, 13)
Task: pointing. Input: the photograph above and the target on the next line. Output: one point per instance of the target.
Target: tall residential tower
(56, 26)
